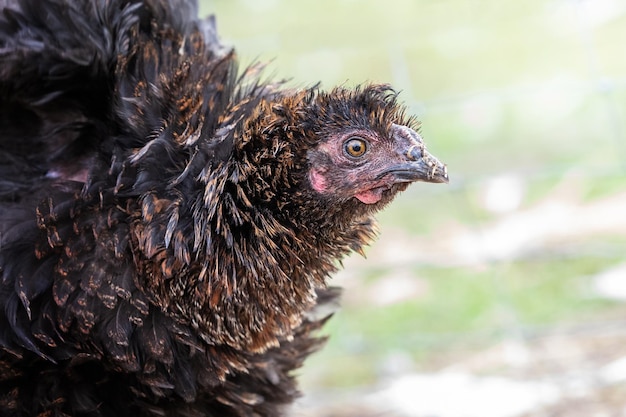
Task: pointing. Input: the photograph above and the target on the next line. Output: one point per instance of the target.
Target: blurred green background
(525, 101)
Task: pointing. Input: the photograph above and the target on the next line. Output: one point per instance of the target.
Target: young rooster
(167, 226)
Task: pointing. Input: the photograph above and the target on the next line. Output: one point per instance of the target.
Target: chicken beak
(426, 168)
(423, 167)
(416, 163)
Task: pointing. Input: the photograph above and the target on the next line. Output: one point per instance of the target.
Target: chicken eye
(355, 147)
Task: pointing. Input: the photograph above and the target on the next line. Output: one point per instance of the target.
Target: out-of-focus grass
(533, 89)
(463, 309)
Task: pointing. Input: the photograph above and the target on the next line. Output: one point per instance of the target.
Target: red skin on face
(320, 184)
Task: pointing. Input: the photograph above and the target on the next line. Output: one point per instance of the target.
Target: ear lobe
(318, 181)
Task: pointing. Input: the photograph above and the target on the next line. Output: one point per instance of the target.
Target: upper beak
(422, 167)
(426, 169)
(417, 164)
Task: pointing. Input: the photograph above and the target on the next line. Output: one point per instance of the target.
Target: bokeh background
(501, 294)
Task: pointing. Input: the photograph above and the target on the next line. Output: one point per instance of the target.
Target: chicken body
(167, 224)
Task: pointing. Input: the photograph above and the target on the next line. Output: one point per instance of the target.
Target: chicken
(168, 222)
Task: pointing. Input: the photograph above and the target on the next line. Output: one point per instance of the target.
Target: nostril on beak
(415, 152)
